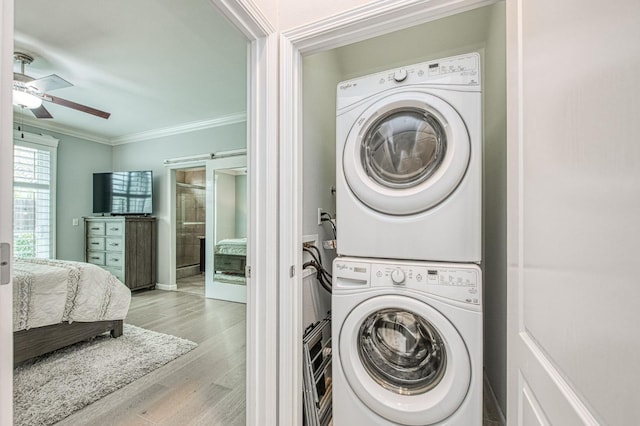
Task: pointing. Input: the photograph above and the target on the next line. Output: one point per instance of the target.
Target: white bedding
(49, 292)
(235, 246)
(230, 279)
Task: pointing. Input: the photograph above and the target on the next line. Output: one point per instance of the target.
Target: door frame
(262, 254)
(172, 168)
(233, 292)
(6, 208)
(262, 136)
(361, 23)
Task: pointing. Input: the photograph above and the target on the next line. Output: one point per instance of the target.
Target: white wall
(77, 160)
(225, 206)
(241, 206)
(269, 9)
(294, 13)
(149, 155)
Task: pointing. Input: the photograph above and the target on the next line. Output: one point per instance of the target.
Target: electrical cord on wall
(322, 275)
(326, 217)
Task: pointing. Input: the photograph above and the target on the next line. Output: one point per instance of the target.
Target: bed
(230, 259)
(57, 303)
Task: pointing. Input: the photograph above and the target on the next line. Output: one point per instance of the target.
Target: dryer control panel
(461, 70)
(452, 281)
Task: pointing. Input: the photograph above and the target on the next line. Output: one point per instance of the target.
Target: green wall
(77, 160)
(150, 155)
(481, 30)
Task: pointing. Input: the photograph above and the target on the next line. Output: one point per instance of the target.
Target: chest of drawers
(124, 246)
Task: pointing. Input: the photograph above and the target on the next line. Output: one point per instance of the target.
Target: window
(34, 179)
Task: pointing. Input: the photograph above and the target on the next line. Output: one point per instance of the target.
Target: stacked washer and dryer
(407, 286)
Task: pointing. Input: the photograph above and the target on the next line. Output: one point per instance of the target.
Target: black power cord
(322, 275)
(326, 217)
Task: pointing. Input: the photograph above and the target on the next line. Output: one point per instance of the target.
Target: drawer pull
(95, 228)
(95, 243)
(115, 259)
(114, 245)
(114, 229)
(95, 258)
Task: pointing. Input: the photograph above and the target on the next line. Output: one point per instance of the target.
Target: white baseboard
(167, 287)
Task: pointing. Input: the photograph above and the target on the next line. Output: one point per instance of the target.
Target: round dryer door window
(404, 360)
(406, 153)
(403, 148)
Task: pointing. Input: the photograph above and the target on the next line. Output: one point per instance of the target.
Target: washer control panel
(457, 282)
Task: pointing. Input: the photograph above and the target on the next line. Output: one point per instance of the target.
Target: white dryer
(407, 343)
(409, 162)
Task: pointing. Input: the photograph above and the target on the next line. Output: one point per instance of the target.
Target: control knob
(398, 276)
(400, 75)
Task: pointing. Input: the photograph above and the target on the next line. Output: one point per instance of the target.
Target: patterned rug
(51, 387)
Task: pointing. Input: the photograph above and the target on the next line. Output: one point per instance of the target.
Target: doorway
(262, 316)
(190, 210)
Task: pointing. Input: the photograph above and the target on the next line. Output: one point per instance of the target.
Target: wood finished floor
(203, 387)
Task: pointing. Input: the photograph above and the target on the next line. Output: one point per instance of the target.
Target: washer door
(404, 360)
(406, 153)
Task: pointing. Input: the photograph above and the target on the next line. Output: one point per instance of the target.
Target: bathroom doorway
(190, 214)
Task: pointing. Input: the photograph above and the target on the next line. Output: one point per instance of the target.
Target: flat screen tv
(123, 193)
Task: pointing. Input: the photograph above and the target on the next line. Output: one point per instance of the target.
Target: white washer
(409, 162)
(407, 343)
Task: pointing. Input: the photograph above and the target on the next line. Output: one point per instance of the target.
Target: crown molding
(58, 128)
(371, 20)
(224, 120)
(45, 140)
(246, 16)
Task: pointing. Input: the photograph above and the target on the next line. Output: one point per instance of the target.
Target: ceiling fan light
(26, 99)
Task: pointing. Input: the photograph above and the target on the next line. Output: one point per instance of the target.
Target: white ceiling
(155, 65)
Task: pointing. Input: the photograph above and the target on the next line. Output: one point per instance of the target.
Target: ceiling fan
(29, 92)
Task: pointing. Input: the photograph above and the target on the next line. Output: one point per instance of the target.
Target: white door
(6, 210)
(573, 213)
(227, 282)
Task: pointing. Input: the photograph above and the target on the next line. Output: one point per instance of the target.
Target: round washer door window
(404, 360)
(402, 351)
(406, 153)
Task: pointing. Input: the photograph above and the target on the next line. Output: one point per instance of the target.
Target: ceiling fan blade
(22, 77)
(76, 106)
(48, 83)
(41, 112)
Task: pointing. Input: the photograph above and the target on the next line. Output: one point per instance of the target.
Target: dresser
(124, 246)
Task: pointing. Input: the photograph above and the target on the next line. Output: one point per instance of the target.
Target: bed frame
(41, 340)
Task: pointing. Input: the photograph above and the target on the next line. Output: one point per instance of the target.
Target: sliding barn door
(574, 212)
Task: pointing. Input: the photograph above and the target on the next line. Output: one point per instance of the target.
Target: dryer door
(404, 360)
(406, 153)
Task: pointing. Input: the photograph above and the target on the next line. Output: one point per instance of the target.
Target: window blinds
(33, 197)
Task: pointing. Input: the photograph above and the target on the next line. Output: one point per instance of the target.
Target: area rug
(51, 387)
